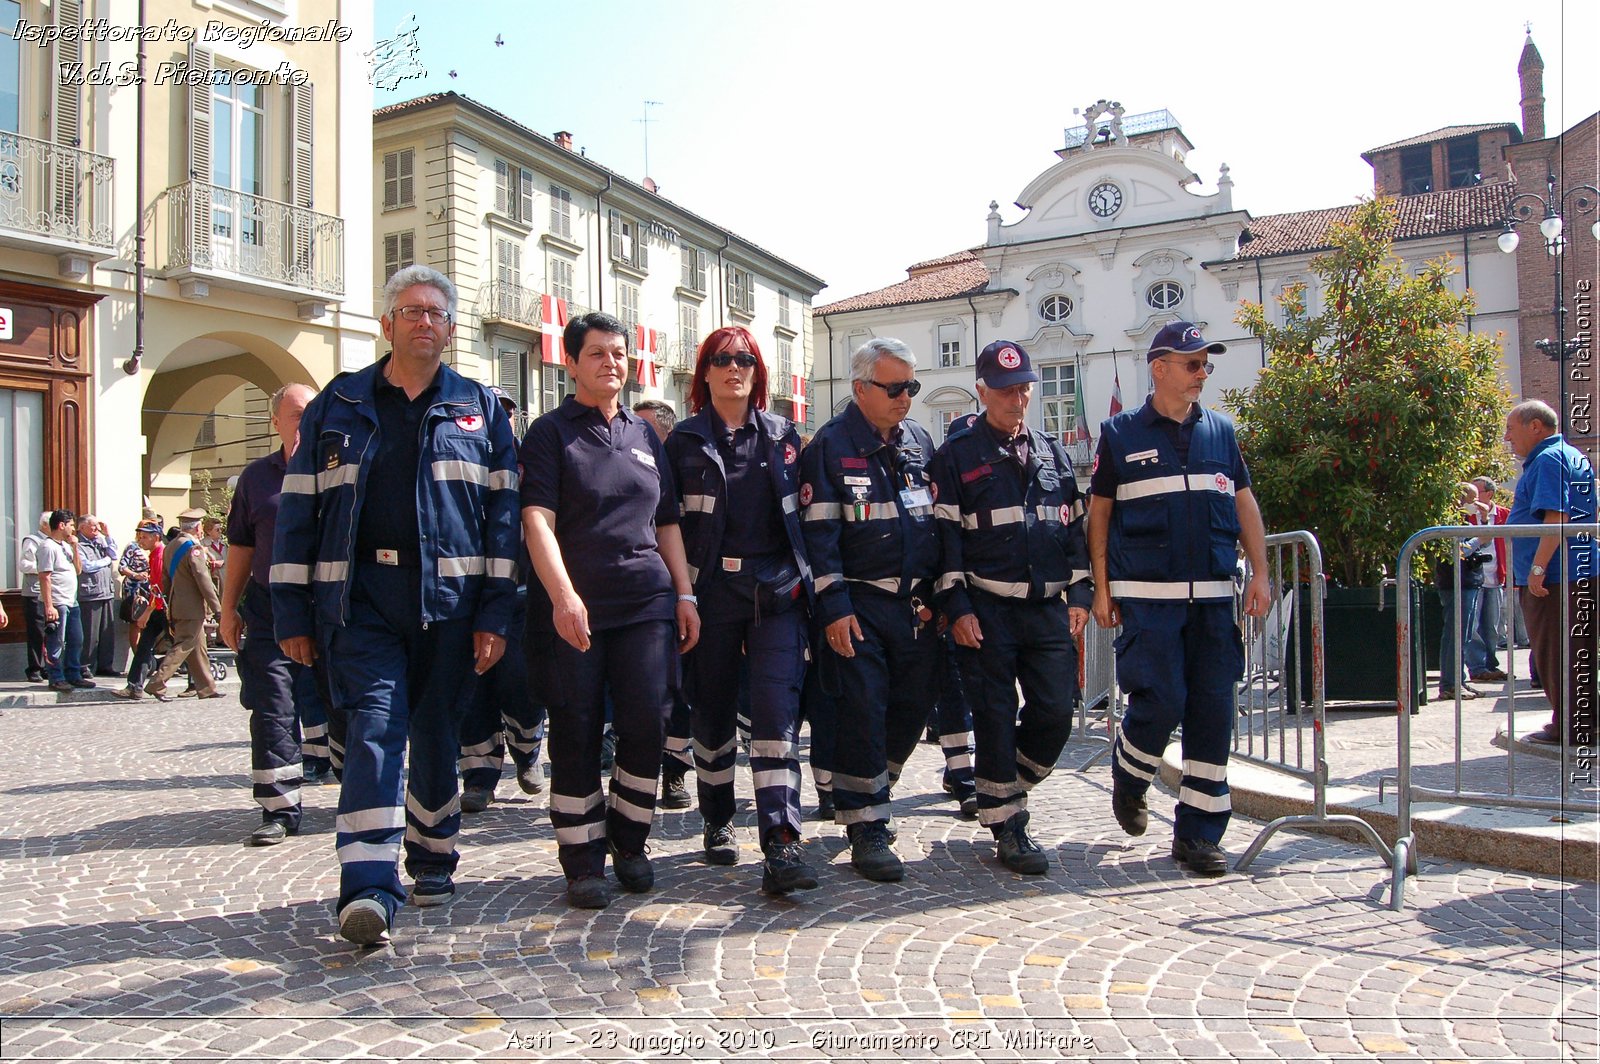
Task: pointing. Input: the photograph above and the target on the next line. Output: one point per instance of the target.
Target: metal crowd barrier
(1102, 699)
(1405, 855)
(1282, 718)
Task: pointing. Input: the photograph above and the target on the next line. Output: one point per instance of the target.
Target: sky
(854, 139)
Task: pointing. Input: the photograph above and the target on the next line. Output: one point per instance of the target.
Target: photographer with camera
(1461, 576)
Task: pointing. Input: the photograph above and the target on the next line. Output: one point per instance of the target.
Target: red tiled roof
(1430, 214)
(963, 274)
(1446, 133)
(416, 101)
(942, 260)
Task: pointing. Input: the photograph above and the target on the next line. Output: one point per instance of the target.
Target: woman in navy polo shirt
(612, 608)
(737, 475)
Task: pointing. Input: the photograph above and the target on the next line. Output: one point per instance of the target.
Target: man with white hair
(32, 613)
(97, 596)
(867, 508)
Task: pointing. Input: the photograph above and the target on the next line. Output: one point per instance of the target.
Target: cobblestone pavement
(134, 926)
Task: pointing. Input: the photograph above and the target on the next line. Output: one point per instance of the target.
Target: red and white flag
(646, 342)
(799, 398)
(554, 321)
(1116, 389)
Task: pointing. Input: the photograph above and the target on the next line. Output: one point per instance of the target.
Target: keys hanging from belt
(921, 614)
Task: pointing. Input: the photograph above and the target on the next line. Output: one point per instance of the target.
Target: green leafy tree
(1370, 413)
(214, 503)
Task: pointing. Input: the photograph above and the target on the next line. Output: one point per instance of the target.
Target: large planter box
(1361, 656)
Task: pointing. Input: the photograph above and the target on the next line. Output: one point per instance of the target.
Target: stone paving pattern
(134, 926)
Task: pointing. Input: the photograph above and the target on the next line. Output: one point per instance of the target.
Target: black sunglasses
(724, 359)
(898, 388)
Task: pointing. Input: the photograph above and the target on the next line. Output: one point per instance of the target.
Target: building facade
(231, 170)
(534, 233)
(1115, 243)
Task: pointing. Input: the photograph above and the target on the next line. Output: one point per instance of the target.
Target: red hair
(735, 337)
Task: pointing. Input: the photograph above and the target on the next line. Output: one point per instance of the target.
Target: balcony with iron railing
(232, 239)
(56, 200)
(502, 303)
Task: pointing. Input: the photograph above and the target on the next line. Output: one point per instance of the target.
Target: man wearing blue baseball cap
(1014, 583)
(1169, 505)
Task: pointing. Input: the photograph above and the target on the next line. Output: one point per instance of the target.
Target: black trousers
(886, 692)
(33, 615)
(639, 663)
(1028, 643)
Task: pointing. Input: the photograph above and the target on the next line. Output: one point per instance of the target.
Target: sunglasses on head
(898, 388)
(724, 359)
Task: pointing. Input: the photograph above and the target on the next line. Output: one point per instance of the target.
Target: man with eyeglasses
(1014, 584)
(1170, 503)
(397, 544)
(867, 507)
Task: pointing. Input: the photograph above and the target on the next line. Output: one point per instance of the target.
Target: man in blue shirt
(1557, 486)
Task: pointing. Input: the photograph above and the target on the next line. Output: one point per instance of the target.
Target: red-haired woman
(736, 468)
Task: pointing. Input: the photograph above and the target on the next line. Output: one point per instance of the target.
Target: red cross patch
(790, 455)
(933, 490)
(1222, 482)
(470, 422)
(1066, 514)
(1009, 358)
(805, 495)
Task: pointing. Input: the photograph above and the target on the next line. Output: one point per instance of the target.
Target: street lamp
(1523, 208)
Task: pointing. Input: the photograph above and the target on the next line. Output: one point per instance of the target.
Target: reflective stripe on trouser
(775, 649)
(1178, 663)
(818, 708)
(953, 719)
(639, 665)
(678, 752)
(1028, 643)
(885, 695)
(396, 683)
(266, 689)
(312, 709)
(503, 708)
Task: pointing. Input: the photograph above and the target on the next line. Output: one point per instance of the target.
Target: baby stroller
(219, 669)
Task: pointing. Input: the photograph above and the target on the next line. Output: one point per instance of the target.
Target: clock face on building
(1105, 199)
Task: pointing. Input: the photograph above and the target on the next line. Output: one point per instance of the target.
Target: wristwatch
(1537, 570)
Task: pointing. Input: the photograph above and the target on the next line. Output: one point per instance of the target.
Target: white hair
(865, 360)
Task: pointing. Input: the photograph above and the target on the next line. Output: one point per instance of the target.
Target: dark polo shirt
(389, 519)
(754, 527)
(610, 488)
(253, 515)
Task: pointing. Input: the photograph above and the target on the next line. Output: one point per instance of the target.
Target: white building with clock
(1109, 248)
(1118, 238)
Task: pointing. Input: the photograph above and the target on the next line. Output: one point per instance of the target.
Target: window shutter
(525, 195)
(502, 194)
(66, 99)
(615, 219)
(391, 180)
(391, 254)
(406, 166)
(408, 254)
(199, 99)
(302, 225)
(508, 374)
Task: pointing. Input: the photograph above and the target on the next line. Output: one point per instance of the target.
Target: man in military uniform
(1014, 583)
(1170, 504)
(869, 531)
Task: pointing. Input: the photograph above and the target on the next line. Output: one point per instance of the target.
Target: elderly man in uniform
(396, 544)
(269, 681)
(191, 598)
(1170, 503)
(869, 531)
(1015, 586)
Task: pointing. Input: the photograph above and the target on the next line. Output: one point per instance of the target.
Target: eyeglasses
(724, 359)
(1193, 365)
(428, 314)
(898, 388)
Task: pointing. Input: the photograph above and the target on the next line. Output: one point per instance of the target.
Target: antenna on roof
(645, 121)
